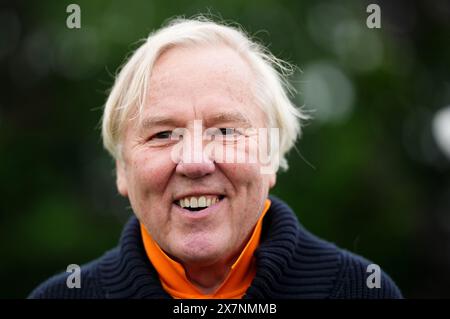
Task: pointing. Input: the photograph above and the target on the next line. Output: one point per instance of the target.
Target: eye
(227, 131)
(162, 135)
(229, 134)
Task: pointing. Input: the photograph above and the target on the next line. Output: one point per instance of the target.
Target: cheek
(251, 190)
(246, 179)
(149, 174)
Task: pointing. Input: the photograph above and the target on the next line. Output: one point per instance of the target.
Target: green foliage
(367, 174)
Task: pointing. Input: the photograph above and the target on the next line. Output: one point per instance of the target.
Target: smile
(197, 203)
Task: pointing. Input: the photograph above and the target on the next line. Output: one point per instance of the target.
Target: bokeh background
(372, 171)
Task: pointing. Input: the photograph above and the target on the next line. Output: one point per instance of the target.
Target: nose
(194, 161)
(196, 169)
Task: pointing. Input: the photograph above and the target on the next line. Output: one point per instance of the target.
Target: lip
(199, 214)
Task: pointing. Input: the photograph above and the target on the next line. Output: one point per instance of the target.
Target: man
(186, 121)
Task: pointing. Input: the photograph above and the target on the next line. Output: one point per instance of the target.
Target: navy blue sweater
(291, 263)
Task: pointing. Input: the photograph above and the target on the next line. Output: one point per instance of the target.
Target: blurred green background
(372, 175)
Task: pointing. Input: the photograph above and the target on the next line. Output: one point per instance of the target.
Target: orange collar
(173, 277)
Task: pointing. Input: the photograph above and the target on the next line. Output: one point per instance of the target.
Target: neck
(209, 278)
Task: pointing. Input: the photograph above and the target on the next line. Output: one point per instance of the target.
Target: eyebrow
(235, 117)
(223, 117)
(157, 120)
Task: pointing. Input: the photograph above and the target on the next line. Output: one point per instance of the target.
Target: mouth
(198, 203)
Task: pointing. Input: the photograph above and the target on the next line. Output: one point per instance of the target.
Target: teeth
(199, 201)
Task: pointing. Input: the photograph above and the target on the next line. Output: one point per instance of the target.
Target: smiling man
(186, 121)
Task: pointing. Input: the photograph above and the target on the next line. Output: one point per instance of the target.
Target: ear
(121, 179)
(272, 180)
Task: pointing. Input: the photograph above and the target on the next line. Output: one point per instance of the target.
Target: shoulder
(123, 272)
(363, 279)
(312, 267)
(354, 277)
(61, 286)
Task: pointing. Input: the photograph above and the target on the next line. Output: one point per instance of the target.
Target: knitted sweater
(291, 263)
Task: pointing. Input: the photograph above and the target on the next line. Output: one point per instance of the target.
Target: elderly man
(199, 122)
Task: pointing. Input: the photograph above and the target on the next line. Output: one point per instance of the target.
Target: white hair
(271, 90)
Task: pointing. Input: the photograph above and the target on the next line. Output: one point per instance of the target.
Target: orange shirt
(173, 277)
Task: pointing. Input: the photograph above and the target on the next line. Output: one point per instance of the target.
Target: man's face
(211, 84)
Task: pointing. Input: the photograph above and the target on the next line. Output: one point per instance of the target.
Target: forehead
(198, 80)
(200, 66)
